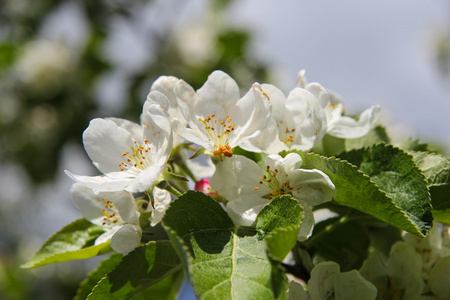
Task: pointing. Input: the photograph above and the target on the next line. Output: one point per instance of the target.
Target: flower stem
(165, 185)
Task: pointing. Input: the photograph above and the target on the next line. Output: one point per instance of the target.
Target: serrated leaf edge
(355, 168)
(24, 266)
(106, 275)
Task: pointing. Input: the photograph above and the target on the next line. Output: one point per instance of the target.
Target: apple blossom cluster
(139, 162)
(417, 268)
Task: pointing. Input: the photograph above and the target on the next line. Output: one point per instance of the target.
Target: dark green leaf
(173, 177)
(283, 211)
(355, 189)
(344, 242)
(95, 276)
(281, 221)
(223, 261)
(396, 174)
(436, 169)
(197, 153)
(72, 242)
(413, 145)
(330, 145)
(442, 216)
(383, 236)
(140, 270)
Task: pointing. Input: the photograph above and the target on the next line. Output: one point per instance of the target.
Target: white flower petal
(156, 121)
(135, 129)
(243, 211)
(405, 267)
(297, 292)
(288, 163)
(165, 85)
(374, 270)
(125, 204)
(351, 285)
(236, 176)
(267, 141)
(277, 100)
(312, 186)
(106, 237)
(310, 122)
(89, 204)
(154, 98)
(195, 136)
(146, 178)
(162, 200)
(321, 284)
(301, 79)
(217, 118)
(219, 90)
(307, 224)
(349, 128)
(202, 166)
(429, 247)
(105, 142)
(101, 183)
(186, 96)
(319, 92)
(261, 111)
(439, 278)
(126, 239)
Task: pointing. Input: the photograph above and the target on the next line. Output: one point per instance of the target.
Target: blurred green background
(63, 63)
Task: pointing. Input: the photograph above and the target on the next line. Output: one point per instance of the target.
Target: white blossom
(131, 156)
(43, 64)
(327, 282)
(248, 188)
(217, 118)
(297, 122)
(116, 212)
(338, 124)
(401, 277)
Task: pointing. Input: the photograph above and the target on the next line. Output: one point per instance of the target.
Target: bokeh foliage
(50, 86)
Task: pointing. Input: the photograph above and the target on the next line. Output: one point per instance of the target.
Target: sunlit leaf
(223, 261)
(148, 272)
(72, 242)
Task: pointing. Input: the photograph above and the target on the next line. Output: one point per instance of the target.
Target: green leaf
(223, 261)
(436, 169)
(396, 174)
(72, 242)
(283, 211)
(197, 153)
(259, 158)
(7, 55)
(413, 145)
(341, 241)
(173, 177)
(357, 190)
(442, 216)
(279, 222)
(330, 145)
(148, 268)
(377, 135)
(106, 266)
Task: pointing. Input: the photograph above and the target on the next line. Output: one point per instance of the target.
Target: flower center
(219, 131)
(110, 214)
(271, 180)
(137, 159)
(286, 135)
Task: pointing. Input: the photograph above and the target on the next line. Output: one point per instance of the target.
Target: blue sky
(370, 52)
